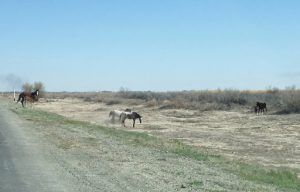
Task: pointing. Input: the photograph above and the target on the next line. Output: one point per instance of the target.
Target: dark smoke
(11, 82)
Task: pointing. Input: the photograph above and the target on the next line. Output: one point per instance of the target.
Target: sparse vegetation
(279, 101)
(27, 87)
(283, 177)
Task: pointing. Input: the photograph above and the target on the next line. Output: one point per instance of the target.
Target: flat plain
(268, 139)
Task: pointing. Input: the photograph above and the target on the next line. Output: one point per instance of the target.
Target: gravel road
(23, 164)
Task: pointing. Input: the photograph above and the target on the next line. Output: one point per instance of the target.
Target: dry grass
(221, 121)
(196, 171)
(237, 133)
(278, 101)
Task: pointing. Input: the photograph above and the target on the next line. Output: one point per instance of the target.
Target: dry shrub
(112, 102)
(283, 101)
(152, 103)
(290, 101)
(27, 87)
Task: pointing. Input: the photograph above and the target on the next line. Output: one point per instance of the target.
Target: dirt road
(23, 163)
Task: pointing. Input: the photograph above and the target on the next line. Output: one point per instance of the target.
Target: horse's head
(35, 95)
(137, 116)
(128, 110)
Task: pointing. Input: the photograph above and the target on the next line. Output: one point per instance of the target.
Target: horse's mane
(136, 114)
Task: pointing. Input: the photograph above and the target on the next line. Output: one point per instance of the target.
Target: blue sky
(150, 45)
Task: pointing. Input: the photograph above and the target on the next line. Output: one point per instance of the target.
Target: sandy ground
(266, 139)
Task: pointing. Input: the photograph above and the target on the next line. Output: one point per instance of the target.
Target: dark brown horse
(130, 115)
(260, 108)
(30, 97)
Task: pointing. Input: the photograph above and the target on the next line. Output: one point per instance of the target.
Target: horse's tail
(110, 114)
(122, 117)
(20, 96)
(137, 116)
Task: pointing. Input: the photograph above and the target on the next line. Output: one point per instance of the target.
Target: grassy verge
(283, 178)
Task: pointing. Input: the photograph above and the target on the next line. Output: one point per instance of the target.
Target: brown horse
(130, 115)
(31, 97)
(260, 108)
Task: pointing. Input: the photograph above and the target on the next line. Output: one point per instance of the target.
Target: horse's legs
(22, 101)
(31, 104)
(123, 122)
(133, 122)
(113, 118)
(122, 119)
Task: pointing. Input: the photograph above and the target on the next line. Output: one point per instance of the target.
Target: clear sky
(156, 45)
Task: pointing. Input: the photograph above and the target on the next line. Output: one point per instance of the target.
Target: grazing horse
(260, 107)
(130, 115)
(31, 97)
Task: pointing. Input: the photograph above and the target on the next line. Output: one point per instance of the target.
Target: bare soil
(267, 139)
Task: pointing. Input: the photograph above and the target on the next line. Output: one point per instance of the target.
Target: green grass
(283, 178)
(39, 116)
(196, 183)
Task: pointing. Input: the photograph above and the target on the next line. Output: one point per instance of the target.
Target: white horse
(115, 114)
